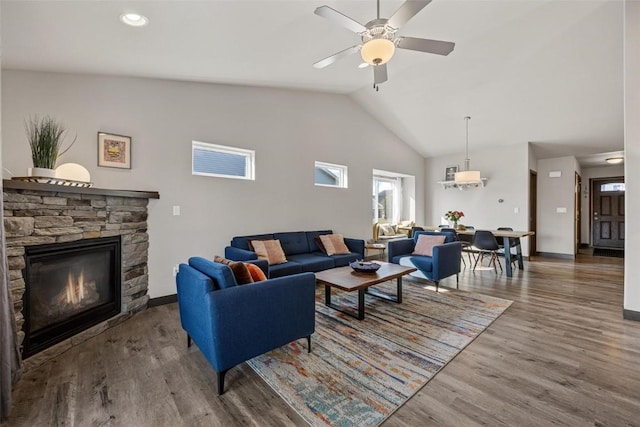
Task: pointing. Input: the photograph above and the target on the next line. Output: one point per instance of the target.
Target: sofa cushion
(387, 230)
(271, 250)
(239, 269)
(257, 275)
(242, 242)
(313, 262)
(334, 244)
(284, 269)
(425, 244)
(220, 273)
(342, 260)
(422, 263)
(312, 239)
(294, 242)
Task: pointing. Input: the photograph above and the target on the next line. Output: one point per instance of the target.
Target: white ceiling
(542, 71)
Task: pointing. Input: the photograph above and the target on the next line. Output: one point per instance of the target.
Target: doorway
(577, 208)
(607, 212)
(533, 210)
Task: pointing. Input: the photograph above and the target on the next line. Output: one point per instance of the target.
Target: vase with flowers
(454, 216)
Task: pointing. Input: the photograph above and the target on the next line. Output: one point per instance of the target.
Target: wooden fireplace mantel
(36, 186)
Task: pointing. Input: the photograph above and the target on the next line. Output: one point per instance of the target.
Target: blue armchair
(231, 324)
(445, 261)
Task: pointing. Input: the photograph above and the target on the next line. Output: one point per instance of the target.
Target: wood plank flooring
(560, 355)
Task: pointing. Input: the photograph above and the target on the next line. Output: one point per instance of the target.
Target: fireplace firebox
(69, 287)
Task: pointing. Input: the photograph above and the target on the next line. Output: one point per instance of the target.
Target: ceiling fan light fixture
(615, 160)
(377, 51)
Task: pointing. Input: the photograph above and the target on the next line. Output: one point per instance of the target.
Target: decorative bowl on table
(364, 266)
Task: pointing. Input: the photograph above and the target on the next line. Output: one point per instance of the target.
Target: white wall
(632, 153)
(508, 176)
(587, 175)
(288, 129)
(556, 230)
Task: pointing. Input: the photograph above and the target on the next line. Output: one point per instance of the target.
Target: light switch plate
(561, 210)
(176, 210)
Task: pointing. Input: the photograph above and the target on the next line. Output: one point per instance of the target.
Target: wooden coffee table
(346, 279)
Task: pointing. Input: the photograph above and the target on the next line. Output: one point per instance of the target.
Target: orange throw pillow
(334, 244)
(239, 270)
(256, 272)
(425, 244)
(269, 250)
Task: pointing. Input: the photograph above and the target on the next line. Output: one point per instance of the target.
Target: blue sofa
(301, 250)
(231, 324)
(445, 261)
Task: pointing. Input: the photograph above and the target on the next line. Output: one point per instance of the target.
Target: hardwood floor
(560, 355)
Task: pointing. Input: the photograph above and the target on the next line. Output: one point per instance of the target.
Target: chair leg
(220, 376)
(309, 344)
(188, 340)
(478, 258)
(457, 282)
(437, 284)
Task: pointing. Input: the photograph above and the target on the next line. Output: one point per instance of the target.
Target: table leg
(519, 251)
(358, 315)
(507, 256)
(360, 304)
(386, 296)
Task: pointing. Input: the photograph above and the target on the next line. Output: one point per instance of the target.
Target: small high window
(330, 175)
(221, 161)
(611, 186)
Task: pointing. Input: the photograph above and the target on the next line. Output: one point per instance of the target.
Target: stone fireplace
(39, 217)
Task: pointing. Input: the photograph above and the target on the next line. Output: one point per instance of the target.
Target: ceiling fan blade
(407, 11)
(336, 56)
(340, 19)
(425, 45)
(379, 74)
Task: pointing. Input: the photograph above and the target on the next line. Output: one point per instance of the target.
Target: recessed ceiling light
(134, 19)
(363, 65)
(614, 160)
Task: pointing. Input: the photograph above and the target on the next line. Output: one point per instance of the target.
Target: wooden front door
(608, 213)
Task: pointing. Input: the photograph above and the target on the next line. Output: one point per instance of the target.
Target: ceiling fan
(379, 38)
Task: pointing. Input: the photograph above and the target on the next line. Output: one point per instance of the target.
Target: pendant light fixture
(467, 177)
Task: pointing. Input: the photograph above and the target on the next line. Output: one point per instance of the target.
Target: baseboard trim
(167, 299)
(555, 255)
(631, 315)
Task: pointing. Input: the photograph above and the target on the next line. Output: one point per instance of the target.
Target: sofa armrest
(237, 254)
(400, 247)
(446, 260)
(249, 320)
(355, 245)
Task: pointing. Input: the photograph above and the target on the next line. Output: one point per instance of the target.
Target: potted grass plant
(45, 137)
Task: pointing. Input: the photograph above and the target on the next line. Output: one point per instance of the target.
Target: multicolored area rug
(360, 372)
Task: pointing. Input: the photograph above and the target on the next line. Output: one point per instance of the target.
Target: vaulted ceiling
(542, 71)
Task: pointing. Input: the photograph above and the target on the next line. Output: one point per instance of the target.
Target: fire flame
(75, 290)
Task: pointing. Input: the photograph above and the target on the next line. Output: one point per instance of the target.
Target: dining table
(507, 237)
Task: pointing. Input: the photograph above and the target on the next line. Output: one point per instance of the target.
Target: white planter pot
(42, 172)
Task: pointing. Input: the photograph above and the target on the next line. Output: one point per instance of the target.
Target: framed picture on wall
(114, 151)
(450, 173)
